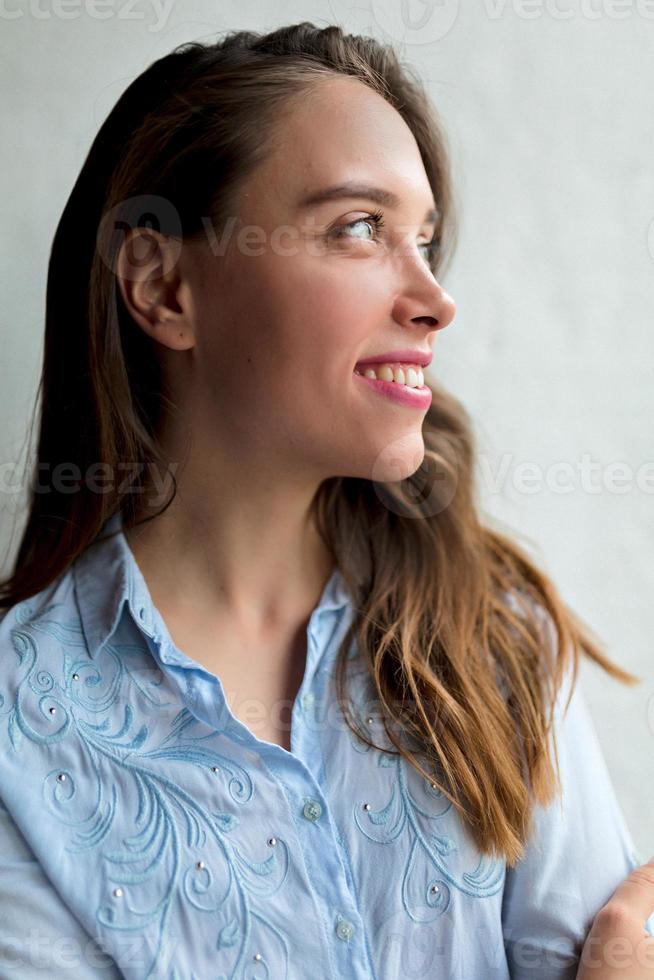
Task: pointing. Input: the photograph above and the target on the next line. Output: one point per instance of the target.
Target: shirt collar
(107, 576)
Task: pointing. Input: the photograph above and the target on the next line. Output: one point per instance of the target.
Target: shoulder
(541, 646)
(56, 602)
(32, 634)
(531, 610)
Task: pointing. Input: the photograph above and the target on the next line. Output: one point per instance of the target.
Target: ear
(147, 270)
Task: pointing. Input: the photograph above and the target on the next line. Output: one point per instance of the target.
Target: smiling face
(307, 290)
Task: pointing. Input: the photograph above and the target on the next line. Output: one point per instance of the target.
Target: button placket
(312, 809)
(344, 928)
(308, 700)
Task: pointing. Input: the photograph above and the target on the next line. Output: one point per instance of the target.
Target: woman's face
(305, 291)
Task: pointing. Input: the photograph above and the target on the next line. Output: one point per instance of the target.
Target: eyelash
(377, 219)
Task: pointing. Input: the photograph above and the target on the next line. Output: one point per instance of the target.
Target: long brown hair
(466, 641)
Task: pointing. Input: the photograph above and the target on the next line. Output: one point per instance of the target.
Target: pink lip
(413, 397)
(405, 356)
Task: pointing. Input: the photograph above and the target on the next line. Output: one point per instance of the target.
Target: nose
(424, 301)
(446, 310)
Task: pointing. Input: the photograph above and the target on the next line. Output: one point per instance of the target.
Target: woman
(250, 501)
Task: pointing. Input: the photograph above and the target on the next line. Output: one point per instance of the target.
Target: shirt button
(344, 929)
(308, 699)
(312, 809)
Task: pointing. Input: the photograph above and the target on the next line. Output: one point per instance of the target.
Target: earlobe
(169, 333)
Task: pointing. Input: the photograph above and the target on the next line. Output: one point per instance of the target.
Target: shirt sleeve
(39, 936)
(578, 854)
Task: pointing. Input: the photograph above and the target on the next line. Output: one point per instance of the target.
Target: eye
(431, 250)
(374, 220)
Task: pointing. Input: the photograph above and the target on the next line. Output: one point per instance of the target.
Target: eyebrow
(376, 194)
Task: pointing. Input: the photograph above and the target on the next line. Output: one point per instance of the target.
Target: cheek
(288, 325)
(337, 313)
(351, 285)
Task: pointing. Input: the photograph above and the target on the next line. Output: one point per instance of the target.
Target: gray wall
(550, 112)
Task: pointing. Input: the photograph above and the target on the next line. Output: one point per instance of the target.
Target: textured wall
(550, 111)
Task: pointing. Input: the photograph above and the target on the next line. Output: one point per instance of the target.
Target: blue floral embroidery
(433, 865)
(166, 815)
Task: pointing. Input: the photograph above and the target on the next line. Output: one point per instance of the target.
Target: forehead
(343, 131)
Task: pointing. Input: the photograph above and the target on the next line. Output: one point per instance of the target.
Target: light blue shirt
(146, 832)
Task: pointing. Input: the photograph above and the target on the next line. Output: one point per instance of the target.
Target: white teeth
(411, 376)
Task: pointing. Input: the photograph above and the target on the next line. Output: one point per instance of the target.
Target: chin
(397, 459)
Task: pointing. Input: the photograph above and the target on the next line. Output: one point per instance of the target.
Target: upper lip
(421, 357)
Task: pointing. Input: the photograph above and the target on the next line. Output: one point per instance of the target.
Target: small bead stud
(118, 892)
(200, 865)
(62, 777)
(53, 711)
(257, 957)
(75, 677)
(366, 806)
(272, 841)
(215, 769)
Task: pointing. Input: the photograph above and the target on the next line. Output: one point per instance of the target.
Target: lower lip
(413, 397)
